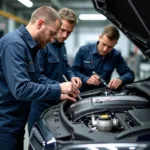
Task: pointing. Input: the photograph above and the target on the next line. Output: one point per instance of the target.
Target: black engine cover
(105, 103)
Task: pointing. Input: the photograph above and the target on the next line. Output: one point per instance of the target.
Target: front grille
(38, 136)
(36, 140)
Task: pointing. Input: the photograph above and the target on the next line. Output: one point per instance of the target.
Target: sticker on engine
(98, 99)
(81, 102)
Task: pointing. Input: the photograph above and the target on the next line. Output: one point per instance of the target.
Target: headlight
(41, 138)
(36, 140)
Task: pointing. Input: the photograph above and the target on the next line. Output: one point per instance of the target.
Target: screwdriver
(100, 78)
(79, 97)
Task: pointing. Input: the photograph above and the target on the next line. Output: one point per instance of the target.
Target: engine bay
(101, 115)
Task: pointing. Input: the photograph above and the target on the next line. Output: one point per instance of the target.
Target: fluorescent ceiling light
(27, 3)
(92, 17)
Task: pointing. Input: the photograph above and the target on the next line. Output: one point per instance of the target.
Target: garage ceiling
(79, 6)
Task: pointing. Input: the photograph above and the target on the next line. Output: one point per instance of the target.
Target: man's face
(65, 30)
(47, 33)
(105, 45)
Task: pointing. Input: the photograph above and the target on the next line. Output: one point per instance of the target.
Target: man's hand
(76, 82)
(93, 80)
(115, 83)
(67, 88)
(67, 97)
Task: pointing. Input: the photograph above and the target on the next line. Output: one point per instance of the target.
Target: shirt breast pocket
(53, 60)
(53, 66)
(108, 69)
(88, 65)
(65, 58)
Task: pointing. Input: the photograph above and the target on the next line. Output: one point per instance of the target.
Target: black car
(104, 119)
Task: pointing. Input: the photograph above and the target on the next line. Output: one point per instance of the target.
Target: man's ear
(40, 23)
(100, 36)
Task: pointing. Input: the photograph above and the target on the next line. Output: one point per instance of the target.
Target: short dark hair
(111, 32)
(47, 13)
(69, 15)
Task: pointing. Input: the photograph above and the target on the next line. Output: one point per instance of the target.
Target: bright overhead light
(27, 3)
(92, 17)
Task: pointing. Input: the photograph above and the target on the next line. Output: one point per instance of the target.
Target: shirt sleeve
(77, 66)
(125, 73)
(18, 78)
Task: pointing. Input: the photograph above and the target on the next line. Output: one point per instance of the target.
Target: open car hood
(132, 17)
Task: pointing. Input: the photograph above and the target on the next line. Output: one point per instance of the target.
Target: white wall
(123, 45)
(11, 25)
(70, 44)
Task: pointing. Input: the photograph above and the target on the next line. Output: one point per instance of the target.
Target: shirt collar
(30, 41)
(95, 50)
(57, 43)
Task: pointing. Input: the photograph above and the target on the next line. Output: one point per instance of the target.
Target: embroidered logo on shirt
(88, 62)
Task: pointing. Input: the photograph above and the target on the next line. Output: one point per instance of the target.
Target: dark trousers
(9, 141)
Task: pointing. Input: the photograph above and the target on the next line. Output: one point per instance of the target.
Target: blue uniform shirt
(17, 80)
(88, 60)
(51, 64)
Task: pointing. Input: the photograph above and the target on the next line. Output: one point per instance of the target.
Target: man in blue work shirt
(18, 86)
(102, 58)
(52, 63)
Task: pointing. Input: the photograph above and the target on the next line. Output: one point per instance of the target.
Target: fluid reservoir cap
(104, 117)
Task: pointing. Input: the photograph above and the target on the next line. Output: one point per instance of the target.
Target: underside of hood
(132, 17)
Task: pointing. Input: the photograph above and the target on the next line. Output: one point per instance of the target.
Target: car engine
(102, 115)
